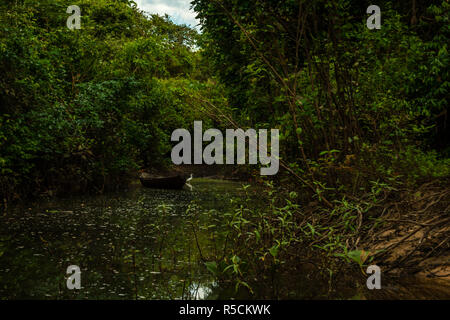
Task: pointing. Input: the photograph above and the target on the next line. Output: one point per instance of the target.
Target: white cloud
(178, 10)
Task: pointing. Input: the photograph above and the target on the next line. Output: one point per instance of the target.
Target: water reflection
(144, 244)
(197, 291)
(133, 245)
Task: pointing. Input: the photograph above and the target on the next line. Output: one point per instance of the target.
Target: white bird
(190, 178)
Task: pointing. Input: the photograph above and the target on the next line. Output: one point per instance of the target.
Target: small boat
(160, 182)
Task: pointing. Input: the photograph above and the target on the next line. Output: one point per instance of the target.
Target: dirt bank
(414, 237)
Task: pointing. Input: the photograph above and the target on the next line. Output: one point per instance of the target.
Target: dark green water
(141, 244)
(135, 244)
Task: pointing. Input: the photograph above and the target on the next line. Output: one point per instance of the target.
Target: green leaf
(274, 251)
(212, 267)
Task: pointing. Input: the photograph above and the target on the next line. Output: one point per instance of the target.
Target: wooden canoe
(159, 182)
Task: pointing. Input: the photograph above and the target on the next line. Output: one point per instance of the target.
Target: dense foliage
(84, 107)
(339, 92)
(363, 119)
(362, 115)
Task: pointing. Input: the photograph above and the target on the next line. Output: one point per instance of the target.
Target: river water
(138, 244)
